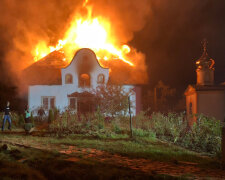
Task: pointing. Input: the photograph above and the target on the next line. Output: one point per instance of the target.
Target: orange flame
(91, 32)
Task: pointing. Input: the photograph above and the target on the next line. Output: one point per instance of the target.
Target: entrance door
(85, 106)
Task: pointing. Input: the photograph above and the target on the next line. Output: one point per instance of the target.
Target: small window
(48, 102)
(84, 80)
(72, 103)
(101, 79)
(68, 79)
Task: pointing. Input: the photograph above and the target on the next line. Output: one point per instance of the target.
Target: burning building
(52, 83)
(57, 78)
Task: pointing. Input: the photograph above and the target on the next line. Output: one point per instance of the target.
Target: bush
(50, 116)
(205, 135)
(141, 121)
(32, 119)
(15, 120)
(170, 127)
(21, 121)
(116, 128)
(143, 133)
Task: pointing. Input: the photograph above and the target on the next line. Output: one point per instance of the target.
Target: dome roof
(205, 62)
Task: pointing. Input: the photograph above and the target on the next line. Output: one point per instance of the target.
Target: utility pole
(131, 131)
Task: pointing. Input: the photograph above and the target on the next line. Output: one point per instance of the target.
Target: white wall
(212, 103)
(72, 69)
(61, 92)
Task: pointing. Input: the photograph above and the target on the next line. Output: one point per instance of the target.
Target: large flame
(87, 32)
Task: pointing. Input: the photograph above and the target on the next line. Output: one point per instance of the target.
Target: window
(72, 103)
(101, 79)
(45, 102)
(84, 80)
(48, 102)
(68, 79)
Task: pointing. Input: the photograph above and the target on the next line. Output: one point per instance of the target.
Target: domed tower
(205, 68)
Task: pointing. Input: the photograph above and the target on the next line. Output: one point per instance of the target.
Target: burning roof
(47, 71)
(94, 31)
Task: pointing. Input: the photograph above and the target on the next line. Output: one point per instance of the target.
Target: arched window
(69, 79)
(84, 80)
(101, 79)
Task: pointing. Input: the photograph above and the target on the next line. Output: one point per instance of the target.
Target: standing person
(27, 115)
(6, 116)
(29, 127)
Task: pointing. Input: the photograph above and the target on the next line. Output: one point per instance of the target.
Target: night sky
(170, 39)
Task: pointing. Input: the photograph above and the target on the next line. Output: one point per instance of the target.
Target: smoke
(25, 23)
(128, 16)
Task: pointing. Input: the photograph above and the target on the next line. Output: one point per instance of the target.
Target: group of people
(7, 117)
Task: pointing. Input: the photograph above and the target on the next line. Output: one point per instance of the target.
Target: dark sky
(171, 39)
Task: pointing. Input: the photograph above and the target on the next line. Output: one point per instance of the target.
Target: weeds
(203, 136)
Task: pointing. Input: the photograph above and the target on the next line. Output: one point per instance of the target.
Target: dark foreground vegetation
(27, 163)
(159, 137)
(203, 136)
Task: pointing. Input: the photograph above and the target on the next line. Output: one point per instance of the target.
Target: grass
(38, 164)
(138, 147)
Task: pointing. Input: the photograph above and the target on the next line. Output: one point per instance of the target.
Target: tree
(112, 99)
(50, 116)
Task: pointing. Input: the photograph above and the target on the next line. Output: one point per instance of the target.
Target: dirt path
(147, 166)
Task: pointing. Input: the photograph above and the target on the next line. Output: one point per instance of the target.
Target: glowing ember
(90, 32)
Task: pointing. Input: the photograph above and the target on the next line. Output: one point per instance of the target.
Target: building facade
(75, 86)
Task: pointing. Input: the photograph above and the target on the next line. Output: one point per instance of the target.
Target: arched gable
(85, 62)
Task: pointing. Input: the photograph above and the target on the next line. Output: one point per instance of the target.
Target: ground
(42, 156)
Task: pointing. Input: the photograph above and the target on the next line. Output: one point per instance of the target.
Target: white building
(205, 97)
(64, 87)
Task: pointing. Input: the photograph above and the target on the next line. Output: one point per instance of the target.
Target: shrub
(170, 127)
(143, 133)
(55, 112)
(32, 119)
(141, 121)
(21, 120)
(99, 118)
(116, 128)
(15, 119)
(50, 116)
(204, 135)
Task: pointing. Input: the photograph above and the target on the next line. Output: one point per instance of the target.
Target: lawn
(18, 162)
(23, 163)
(138, 147)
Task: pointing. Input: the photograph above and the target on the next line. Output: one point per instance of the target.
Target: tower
(205, 97)
(205, 69)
